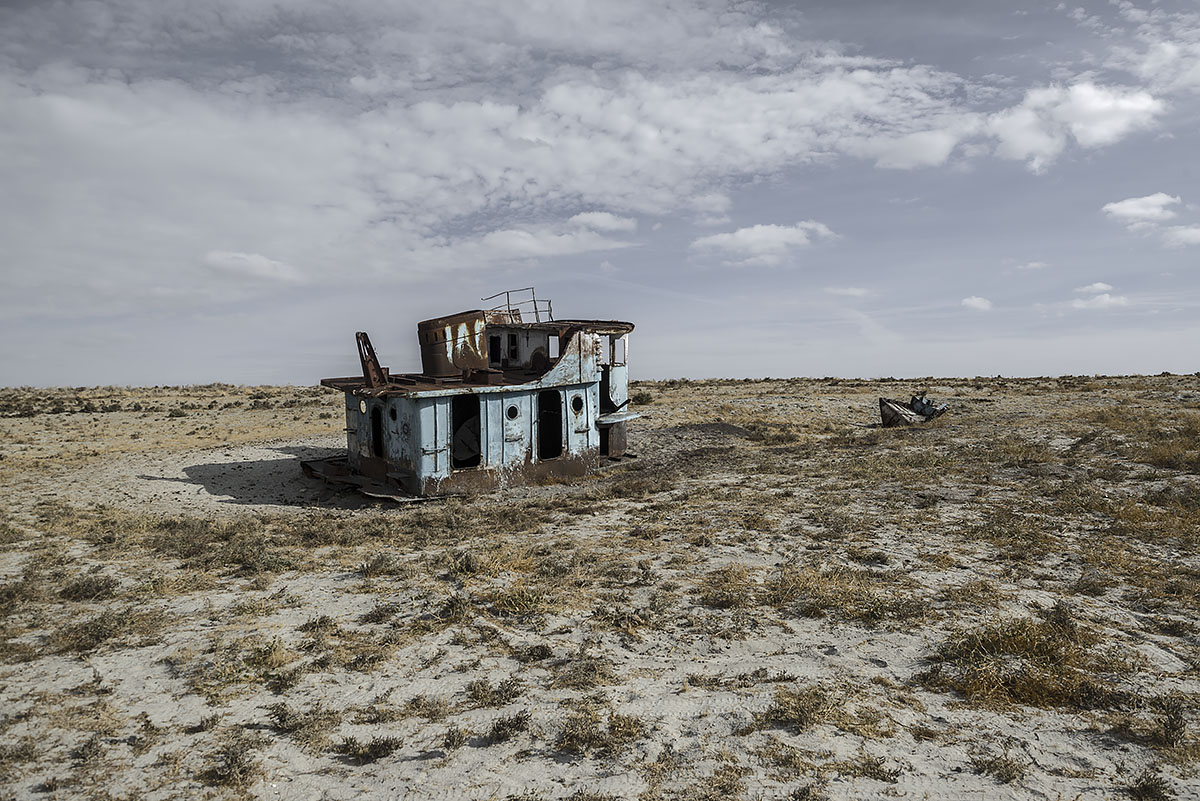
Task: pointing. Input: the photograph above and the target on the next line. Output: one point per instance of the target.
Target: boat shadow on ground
(278, 481)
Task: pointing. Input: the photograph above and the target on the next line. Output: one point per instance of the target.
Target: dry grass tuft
(725, 784)
(374, 749)
(455, 738)
(594, 728)
(234, 763)
(428, 707)
(1150, 786)
(483, 693)
(521, 601)
(729, 587)
(309, 729)
(871, 766)
(861, 596)
(90, 587)
(584, 671)
(1003, 768)
(110, 627)
(506, 728)
(797, 710)
(1042, 663)
(1172, 727)
(384, 564)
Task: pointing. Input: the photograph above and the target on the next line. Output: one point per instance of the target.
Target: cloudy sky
(225, 190)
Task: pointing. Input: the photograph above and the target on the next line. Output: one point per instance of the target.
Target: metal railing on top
(538, 307)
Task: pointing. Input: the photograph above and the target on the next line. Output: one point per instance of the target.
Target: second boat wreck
(500, 399)
(918, 410)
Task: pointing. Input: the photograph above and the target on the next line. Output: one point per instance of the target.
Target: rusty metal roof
(503, 319)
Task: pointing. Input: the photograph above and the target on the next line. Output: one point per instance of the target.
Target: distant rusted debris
(918, 410)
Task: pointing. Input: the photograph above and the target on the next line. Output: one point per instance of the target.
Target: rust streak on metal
(374, 375)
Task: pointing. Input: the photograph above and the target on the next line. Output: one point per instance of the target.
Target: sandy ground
(253, 477)
(751, 610)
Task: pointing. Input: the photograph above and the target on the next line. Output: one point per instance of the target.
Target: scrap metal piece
(373, 374)
(918, 410)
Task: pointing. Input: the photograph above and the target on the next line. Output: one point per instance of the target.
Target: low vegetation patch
(1043, 663)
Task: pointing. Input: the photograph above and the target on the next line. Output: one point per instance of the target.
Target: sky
(226, 190)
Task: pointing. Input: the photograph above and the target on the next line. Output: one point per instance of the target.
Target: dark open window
(377, 432)
(550, 424)
(494, 349)
(606, 404)
(465, 450)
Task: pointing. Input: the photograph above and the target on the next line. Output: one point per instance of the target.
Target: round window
(577, 403)
(512, 412)
(362, 406)
(392, 412)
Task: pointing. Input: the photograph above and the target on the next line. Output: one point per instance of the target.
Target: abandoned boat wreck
(500, 400)
(918, 410)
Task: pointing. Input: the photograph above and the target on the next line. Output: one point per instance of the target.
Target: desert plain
(776, 600)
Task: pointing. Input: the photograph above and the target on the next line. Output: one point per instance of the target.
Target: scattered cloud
(376, 135)
(604, 221)
(251, 266)
(711, 208)
(1095, 288)
(526, 243)
(190, 153)
(1147, 215)
(1136, 210)
(766, 245)
(1040, 127)
(1164, 51)
(1181, 235)
(1102, 301)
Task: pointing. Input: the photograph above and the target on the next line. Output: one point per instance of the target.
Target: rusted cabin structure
(501, 399)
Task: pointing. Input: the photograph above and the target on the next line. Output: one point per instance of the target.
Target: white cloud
(711, 208)
(1151, 208)
(516, 243)
(1181, 235)
(763, 244)
(1097, 287)
(252, 266)
(393, 142)
(1147, 215)
(1039, 128)
(1103, 301)
(1033, 265)
(926, 148)
(848, 291)
(1099, 115)
(604, 221)
(1165, 48)
(977, 303)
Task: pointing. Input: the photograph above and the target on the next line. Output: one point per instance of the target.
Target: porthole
(362, 406)
(392, 412)
(512, 412)
(577, 403)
